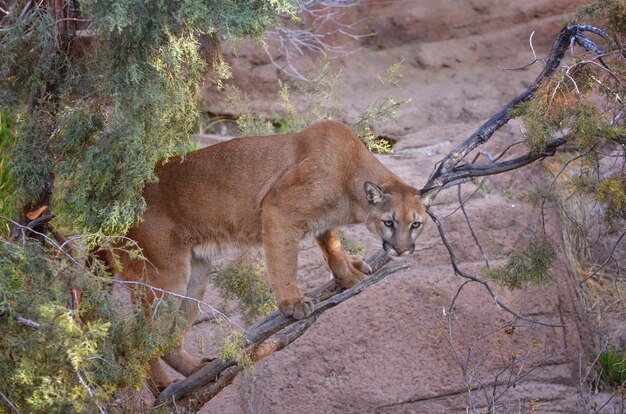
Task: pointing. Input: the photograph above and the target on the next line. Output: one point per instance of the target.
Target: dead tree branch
(265, 337)
(449, 172)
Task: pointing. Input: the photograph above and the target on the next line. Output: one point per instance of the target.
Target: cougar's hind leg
(178, 358)
(157, 377)
(167, 276)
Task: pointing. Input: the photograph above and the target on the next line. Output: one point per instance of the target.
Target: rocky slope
(392, 349)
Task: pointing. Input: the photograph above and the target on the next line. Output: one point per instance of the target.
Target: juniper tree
(95, 93)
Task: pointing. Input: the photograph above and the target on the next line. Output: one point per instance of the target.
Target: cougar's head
(397, 214)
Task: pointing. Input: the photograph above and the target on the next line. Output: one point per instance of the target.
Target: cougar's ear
(427, 197)
(373, 193)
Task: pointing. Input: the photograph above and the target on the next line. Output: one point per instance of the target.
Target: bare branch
(592, 274)
(447, 171)
(323, 34)
(471, 228)
(536, 59)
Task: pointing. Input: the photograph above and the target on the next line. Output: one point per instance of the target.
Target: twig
(446, 312)
(471, 229)
(477, 279)
(621, 236)
(27, 322)
(9, 403)
(532, 49)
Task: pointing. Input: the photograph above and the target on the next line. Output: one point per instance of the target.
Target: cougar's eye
(388, 223)
(416, 224)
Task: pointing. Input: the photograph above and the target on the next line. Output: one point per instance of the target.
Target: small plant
(234, 347)
(244, 279)
(280, 124)
(539, 196)
(321, 102)
(529, 266)
(350, 245)
(613, 367)
(611, 192)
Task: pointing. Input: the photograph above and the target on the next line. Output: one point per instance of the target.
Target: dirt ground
(393, 349)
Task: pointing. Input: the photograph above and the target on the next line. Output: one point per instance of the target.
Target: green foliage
(539, 196)
(350, 245)
(29, 161)
(135, 339)
(568, 105)
(381, 110)
(24, 65)
(7, 205)
(67, 365)
(529, 266)
(49, 369)
(69, 351)
(559, 110)
(612, 193)
(234, 347)
(249, 122)
(609, 191)
(613, 367)
(392, 76)
(102, 111)
(106, 115)
(280, 124)
(613, 11)
(244, 279)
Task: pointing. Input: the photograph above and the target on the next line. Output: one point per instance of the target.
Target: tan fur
(270, 191)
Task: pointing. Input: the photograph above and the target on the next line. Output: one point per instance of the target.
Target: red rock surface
(389, 350)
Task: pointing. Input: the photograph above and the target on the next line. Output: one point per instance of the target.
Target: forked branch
(449, 172)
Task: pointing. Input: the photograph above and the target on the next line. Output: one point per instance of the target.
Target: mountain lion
(270, 191)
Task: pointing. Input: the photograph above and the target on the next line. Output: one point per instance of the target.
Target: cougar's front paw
(298, 309)
(350, 270)
(359, 263)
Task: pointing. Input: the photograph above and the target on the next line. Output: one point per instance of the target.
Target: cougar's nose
(404, 251)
